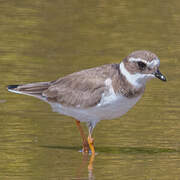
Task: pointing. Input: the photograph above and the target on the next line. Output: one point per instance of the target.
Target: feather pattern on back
(81, 89)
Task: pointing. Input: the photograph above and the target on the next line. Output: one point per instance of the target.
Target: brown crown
(146, 55)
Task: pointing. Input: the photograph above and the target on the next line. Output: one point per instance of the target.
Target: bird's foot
(91, 144)
(86, 148)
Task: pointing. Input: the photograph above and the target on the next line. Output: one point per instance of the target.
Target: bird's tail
(33, 89)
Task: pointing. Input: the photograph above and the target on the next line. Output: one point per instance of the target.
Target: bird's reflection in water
(90, 167)
(87, 162)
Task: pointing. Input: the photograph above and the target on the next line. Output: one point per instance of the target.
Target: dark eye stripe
(141, 65)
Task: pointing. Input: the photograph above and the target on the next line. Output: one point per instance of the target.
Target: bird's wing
(81, 89)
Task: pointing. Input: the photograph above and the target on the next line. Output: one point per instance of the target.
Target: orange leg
(91, 144)
(85, 142)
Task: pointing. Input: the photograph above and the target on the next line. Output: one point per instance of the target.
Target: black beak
(159, 75)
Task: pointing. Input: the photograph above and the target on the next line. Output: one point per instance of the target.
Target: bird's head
(141, 66)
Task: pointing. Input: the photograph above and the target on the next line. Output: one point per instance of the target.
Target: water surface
(44, 40)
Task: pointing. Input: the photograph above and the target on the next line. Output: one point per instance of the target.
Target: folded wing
(81, 89)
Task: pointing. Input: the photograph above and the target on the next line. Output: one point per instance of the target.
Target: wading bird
(99, 93)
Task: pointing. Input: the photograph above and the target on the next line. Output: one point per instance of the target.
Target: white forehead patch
(153, 63)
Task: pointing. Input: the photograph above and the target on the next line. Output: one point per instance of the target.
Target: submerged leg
(90, 139)
(85, 142)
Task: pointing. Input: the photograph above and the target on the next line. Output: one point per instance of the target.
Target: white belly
(104, 110)
(117, 108)
(111, 106)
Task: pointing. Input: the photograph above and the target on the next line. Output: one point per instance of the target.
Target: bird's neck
(136, 80)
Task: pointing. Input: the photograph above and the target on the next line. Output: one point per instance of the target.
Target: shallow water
(44, 40)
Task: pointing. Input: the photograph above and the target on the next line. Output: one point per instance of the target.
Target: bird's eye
(141, 65)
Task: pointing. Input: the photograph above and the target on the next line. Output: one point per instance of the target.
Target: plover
(104, 92)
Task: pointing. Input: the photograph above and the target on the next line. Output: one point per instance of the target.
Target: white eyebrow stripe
(153, 63)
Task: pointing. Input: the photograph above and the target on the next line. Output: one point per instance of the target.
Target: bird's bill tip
(160, 76)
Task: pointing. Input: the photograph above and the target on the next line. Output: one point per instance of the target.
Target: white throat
(137, 80)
